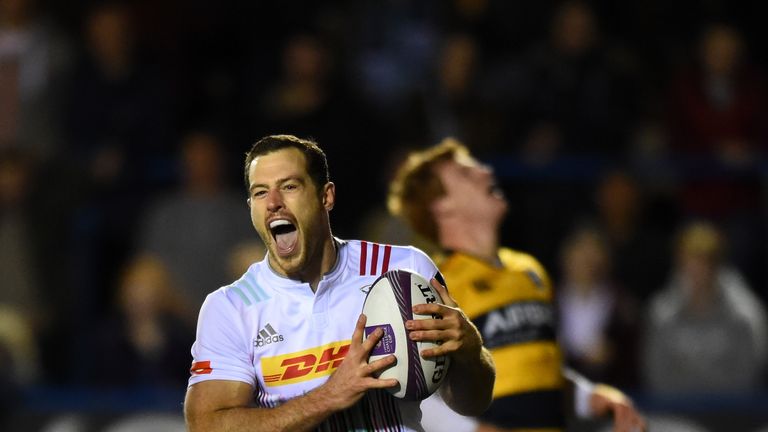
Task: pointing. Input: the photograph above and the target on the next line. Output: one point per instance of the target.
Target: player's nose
(274, 200)
(483, 171)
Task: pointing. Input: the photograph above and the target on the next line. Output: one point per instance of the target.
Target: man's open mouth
(285, 234)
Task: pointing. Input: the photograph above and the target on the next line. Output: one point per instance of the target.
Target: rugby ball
(388, 306)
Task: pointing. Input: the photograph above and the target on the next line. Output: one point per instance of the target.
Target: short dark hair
(317, 163)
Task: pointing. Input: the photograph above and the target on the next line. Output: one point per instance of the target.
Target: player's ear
(249, 202)
(329, 196)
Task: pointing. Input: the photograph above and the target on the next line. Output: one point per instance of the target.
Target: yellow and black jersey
(511, 303)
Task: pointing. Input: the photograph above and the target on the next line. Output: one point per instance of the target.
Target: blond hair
(416, 186)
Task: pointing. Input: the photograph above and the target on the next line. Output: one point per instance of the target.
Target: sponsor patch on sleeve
(201, 368)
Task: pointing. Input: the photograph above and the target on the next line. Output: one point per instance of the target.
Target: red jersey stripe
(363, 256)
(385, 263)
(374, 258)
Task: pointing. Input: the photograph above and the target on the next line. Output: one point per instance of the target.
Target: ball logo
(426, 291)
(385, 345)
(429, 297)
(437, 375)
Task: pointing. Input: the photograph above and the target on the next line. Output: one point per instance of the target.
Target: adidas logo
(266, 336)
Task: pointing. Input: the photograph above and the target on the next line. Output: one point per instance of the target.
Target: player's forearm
(469, 388)
(302, 413)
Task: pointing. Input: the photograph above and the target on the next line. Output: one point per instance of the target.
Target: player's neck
(479, 240)
(325, 263)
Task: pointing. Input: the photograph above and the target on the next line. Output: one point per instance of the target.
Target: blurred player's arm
(587, 400)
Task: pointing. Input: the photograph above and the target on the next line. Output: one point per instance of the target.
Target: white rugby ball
(387, 306)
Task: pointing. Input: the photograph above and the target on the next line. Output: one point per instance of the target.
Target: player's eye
(259, 193)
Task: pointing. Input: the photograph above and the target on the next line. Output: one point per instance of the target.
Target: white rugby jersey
(277, 335)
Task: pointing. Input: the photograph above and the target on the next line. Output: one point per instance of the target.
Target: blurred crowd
(630, 138)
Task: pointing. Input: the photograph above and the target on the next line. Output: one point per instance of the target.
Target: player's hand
(355, 375)
(608, 401)
(460, 338)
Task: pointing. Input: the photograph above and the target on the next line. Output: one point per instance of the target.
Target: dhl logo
(304, 365)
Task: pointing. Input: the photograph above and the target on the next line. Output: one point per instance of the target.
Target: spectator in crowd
(31, 240)
(706, 331)
(19, 348)
(718, 112)
(19, 284)
(146, 342)
(455, 103)
(33, 55)
(598, 319)
(34, 251)
(303, 93)
(196, 228)
(395, 45)
(573, 88)
(19, 359)
(636, 240)
(118, 110)
(117, 126)
(718, 103)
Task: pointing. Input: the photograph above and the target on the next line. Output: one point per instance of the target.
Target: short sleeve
(221, 350)
(423, 265)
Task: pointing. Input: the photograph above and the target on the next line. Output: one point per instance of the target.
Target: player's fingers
(621, 417)
(640, 425)
(627, 420)
(620, 423)
(430, 324)
(381, 383)
(435, 335)
(440, 350)
(444, 296)
(434, 309)
(380, 364)
(637, 426)
(635, 422)
(372, 340)
(357, 335)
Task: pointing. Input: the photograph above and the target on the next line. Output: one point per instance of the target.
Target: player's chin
(288, 263)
